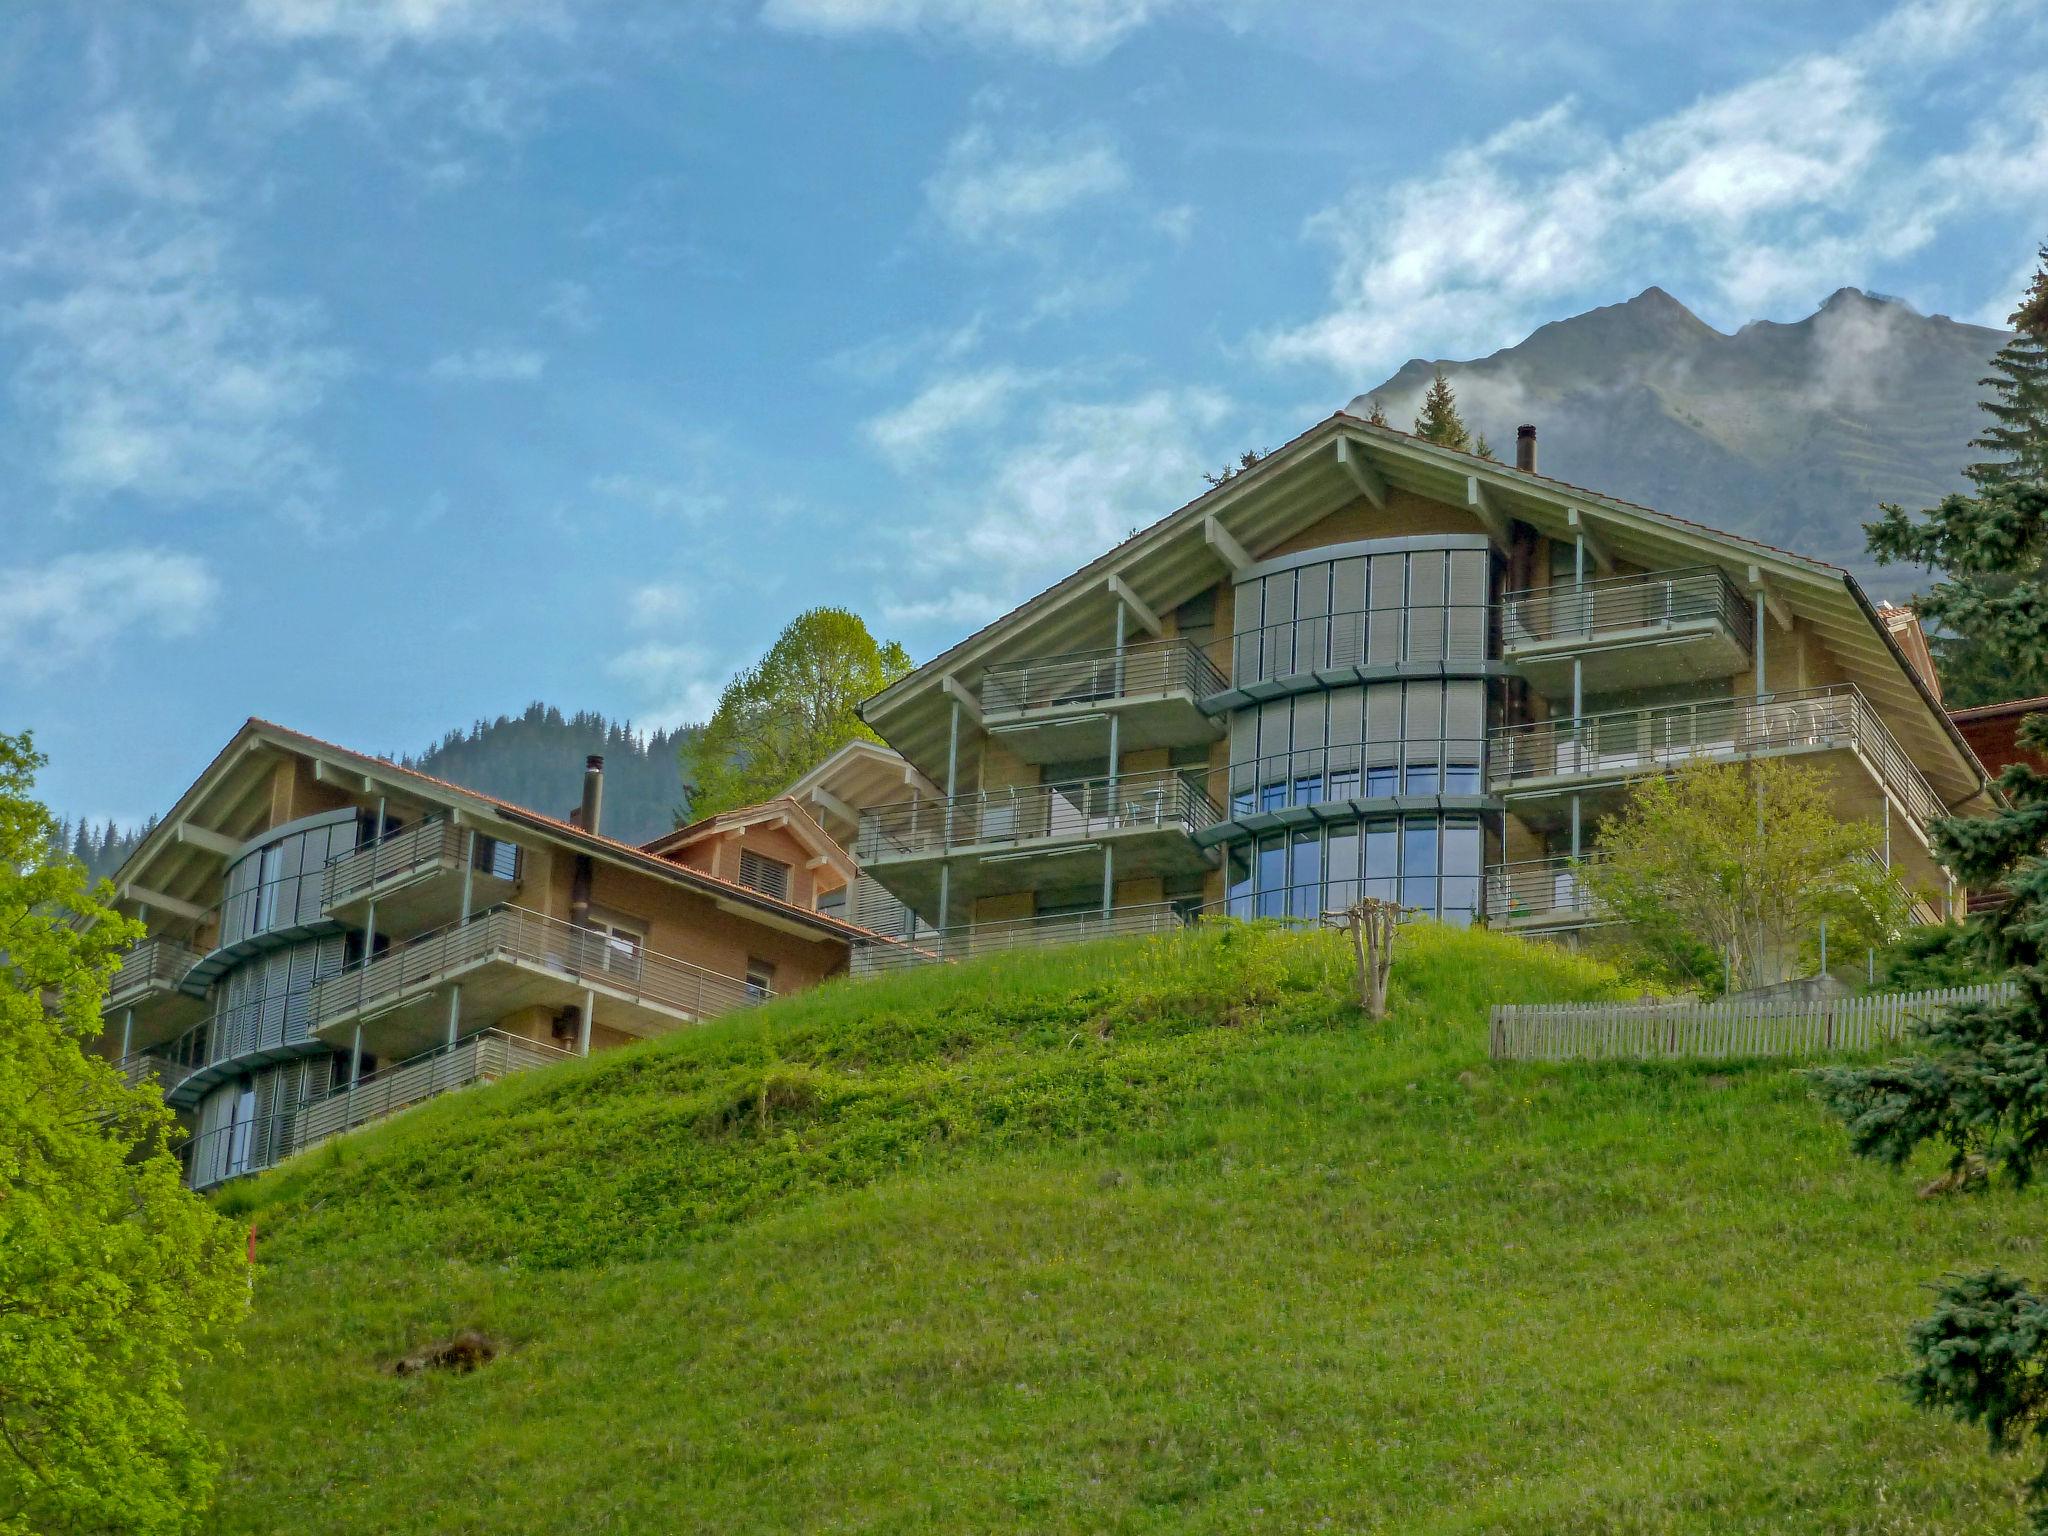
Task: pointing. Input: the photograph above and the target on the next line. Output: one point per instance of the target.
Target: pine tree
(1438, 421)
(1980, 605)
(2018, 406)
(1377, 416)
(1482, 447)
(1978, 1084)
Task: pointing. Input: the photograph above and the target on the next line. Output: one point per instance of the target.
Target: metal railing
(1627, 742)
(1082, 678)
(424, 845)
(1452, 633)
(1550, 890)
(139, 1067)
(968, 940)
(1555, 890)
(1374, 770)
(1160, 800)
(152, 965)
(482, 1057)
(1655, 600)
(601, 961)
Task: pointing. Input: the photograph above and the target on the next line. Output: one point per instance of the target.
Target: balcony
(483, 1057)
(1530, 895)
(1382, 777)
(1646, 630)
(968, 941)
(509, 958)
(415, 877)
(1003, 841)
(150, 993)
(139, 1067)
(1870, 767)
(1057, 708)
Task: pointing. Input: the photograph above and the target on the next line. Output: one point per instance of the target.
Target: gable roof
(1344, 457)
(257, 734)
(783, 811)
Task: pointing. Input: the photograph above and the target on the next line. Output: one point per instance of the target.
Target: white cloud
(1780, 189)
(1069, 31)
(654, 604)
(691, 500)
(1071, 480)
(490, 365)
(570, 306)
(988, 192)
(382, 24)
(680, 682)
(145, 366)
(913, 432)
(76, 608)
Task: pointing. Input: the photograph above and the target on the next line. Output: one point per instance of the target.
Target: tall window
(1376, 608)
(1363, 742)
(1431, 864)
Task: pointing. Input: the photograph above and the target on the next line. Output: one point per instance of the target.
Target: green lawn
(1148, 1236)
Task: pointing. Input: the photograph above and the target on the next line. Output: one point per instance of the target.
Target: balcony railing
(142, 1066)
(154, 965)
(1087, 678)
(1538, 891)
(1136, 802)
(601, 961)
(1371, 771)
(479, 1058)
(394, 856)
(968, 941)
(1457, 634)
(1629, 742)
(1622, 605)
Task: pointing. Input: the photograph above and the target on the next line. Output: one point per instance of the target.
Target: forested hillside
(535, 759)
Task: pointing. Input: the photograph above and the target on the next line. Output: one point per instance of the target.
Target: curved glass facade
(1431, 864)
(246, 1123)
(277, 886)
(1359, 655)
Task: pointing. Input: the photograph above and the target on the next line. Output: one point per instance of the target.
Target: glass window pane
(1388, 586)
(1418, 865)
(1305, 895)
(1271, 876)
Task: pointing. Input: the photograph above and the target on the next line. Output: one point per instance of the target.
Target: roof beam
(1768, 596)
(157, 901)
(204, 838)
(838, 807)
(1232, 554)
(1368, 480)
(951, 686)
(1582, 526)
(1140, 609)
(1490, 516)
(326, 773)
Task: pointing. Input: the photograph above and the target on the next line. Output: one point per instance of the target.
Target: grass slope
(1147, 1236)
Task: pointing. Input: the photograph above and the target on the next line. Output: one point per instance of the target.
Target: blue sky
(375, 365)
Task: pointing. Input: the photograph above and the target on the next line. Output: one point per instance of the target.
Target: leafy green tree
(112, 1275)
(1438, 421)
(794, 708)
(1743, 861)
(1990, 607)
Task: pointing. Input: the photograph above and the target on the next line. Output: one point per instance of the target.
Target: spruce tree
(1377, 416)
(1977, 1084)
(1438, 421)
(1986, 604)
(2018, 405)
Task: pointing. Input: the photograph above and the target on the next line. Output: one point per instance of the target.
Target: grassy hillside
(1148, 1236)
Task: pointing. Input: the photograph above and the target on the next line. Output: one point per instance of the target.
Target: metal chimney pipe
(593, 792)
(1525, 447)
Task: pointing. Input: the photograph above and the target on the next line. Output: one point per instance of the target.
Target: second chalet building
(1370, 665)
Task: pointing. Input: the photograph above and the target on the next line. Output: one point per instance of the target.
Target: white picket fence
(1733, 1027)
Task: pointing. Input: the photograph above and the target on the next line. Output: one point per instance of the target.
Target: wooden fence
(1733, 1027)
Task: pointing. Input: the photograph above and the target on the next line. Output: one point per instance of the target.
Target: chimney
(593, 793)
(1525, 447)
